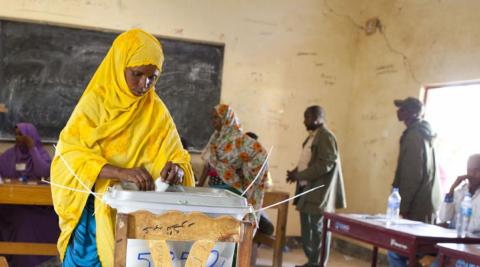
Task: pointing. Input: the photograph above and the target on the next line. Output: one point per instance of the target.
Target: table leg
(412, 259)
(244, 253)
(442, 259)
(374, 256)
(324, 241)
(121, 230)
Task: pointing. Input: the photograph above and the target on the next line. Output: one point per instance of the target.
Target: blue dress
(82, 249)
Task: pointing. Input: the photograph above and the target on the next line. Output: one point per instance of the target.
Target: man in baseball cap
(416, 176)
(411, 104)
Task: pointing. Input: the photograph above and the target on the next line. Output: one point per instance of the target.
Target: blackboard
(44, 70)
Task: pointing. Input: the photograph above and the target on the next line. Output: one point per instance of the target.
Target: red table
(467, 252)
(406, 237)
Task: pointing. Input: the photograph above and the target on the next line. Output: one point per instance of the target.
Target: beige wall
(280, 56)
(441, 40)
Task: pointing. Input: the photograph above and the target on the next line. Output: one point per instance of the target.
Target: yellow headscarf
(111, 125)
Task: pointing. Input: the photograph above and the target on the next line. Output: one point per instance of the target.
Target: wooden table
(25, 194)
(406, 237)
(17, 193)
(467, 252)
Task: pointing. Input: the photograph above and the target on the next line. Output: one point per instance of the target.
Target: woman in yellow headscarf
(119, 130)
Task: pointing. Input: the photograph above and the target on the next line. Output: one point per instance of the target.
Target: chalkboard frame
(207, 129)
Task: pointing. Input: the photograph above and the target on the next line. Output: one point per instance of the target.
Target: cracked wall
(423, 42)
(280, 57)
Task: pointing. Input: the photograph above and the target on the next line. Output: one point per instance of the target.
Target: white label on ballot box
(138, 254)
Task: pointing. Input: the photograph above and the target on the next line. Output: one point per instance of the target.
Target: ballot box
(184, 226)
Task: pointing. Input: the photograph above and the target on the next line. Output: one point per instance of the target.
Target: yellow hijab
(111, 125)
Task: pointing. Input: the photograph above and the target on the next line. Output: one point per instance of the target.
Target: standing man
(319, 164)
(416, 174)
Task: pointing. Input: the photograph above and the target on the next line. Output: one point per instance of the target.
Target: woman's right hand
(138, 176)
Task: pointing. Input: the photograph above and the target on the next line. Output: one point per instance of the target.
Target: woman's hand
(138, 176)
(172, 173)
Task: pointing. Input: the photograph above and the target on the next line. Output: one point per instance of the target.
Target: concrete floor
(296, 257)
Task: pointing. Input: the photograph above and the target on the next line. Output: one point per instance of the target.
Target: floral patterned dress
(236, 157)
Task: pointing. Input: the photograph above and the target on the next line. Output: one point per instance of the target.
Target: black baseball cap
(409, 103)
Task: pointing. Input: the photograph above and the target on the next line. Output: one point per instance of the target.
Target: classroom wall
(423, 42)
(280, 57)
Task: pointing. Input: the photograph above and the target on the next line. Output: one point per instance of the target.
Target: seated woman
(19, 223)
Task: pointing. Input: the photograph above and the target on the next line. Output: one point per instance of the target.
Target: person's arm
(325, 160)
(410, 173)
(203, 176)
(138, 176)
(447, 208)
(41, 166)
(41, 163)
(171, 174)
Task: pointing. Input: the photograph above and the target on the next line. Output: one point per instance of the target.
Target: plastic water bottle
(464, 215)
(393, 207)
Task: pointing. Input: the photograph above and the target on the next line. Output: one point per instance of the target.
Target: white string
(259, 172)
(69, 188)
(286, 200)
(75, 175)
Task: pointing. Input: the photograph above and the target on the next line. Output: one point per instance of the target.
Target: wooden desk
(25, 194)
(17, 193)
(406, 238)
(467, 252)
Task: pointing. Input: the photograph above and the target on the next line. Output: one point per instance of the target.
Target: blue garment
(462, 263)
(82, 248)
(458, 263)
(396, 260)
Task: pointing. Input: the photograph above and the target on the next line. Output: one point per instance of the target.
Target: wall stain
(306, 54)
(328, 79)
(257, 76)
(260, 22)
(385, 69)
